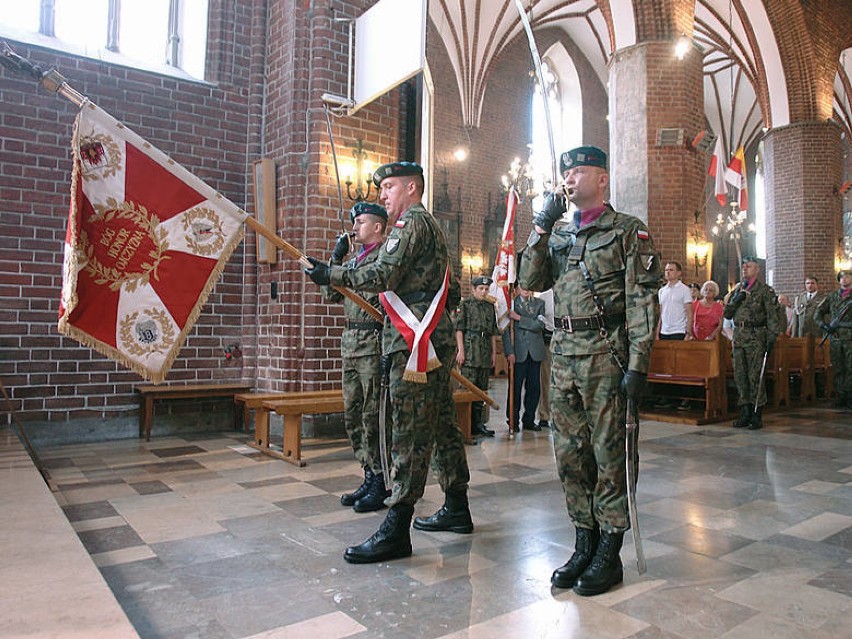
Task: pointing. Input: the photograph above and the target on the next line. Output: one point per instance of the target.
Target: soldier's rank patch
(642, 234)
(391, 245)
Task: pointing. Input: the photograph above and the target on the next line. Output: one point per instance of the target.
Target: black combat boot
(454, 516)
(756, 422)
(349, 499)
(584, 549)
(375, 497)
(745, 416)
(605, 571)
(391, 541)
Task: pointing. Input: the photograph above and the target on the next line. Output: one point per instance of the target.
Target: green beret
(843, 272)
(751, 258)
(482, 279)
(582, 156)
(367, 208)
(396, 169)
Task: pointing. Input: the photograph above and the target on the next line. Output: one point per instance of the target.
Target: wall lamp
(697, 252)
(359, 176)
(473, 262)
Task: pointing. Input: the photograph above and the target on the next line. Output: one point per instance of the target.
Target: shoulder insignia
(400, 223)
(391, 245)
(642, 234)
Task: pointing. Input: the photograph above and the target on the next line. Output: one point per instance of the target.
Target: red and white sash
(414, 331)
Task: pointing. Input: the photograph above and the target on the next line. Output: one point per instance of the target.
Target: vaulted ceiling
(745, 89)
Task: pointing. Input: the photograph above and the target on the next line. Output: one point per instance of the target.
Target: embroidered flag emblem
(642, 234)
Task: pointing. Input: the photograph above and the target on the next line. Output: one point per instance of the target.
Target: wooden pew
(150, 393)
(254, 402)
(293, 406)
(691, 364)
(776, 377)
(798, 360)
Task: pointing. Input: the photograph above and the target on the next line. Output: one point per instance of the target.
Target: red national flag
(504, 268)
(736, 177)
(146, 243)
(717, 162)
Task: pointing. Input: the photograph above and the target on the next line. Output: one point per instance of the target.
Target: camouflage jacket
(757, 319)
(625, 268)
(477, 321)
(357, 342)
(830, 308)
(411, 262)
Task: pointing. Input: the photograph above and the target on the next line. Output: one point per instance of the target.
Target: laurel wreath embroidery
(146, 221)
(133, 347)
(205, 249)
(113, 157)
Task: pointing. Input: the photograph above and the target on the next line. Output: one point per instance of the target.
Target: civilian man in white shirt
(675, 306)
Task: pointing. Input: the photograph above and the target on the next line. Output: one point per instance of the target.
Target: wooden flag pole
(296, 254)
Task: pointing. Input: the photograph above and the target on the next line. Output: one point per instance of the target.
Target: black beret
(362, 208)
(751, 258)
(842, 272)
(582, 156)
(482, 279)
(396, 169)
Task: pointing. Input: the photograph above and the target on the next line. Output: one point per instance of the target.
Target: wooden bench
(150, 393)
(691, 364)
(293, 406)
(254, 402)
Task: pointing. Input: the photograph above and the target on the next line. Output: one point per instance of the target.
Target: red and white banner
(717, 170)
(736, 177)
(504, 267)
(146, 242)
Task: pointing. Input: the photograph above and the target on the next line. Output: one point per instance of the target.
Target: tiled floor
(747, 535)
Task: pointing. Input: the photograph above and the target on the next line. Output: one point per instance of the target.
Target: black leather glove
(319, 272)
(738, 297)
(554, 207)
(341, 248)
(633, 385)
(827, 328)
(770, 344)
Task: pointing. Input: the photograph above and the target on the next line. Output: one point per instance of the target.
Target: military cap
(396, 169)
(481, 280)
(582, 156)
(362, 208)
(751, 258)
(842, 272)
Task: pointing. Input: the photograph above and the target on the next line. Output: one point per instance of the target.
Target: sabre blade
(631, 444)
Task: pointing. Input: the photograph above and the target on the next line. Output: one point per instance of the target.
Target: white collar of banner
(414, 331)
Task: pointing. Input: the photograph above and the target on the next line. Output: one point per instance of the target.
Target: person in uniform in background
(605, 274)
(523, 346)
(754, 308)
(804, 310)
(413, 271)
(361, 350)
(476, 338)
(542, 414)
(834, 313)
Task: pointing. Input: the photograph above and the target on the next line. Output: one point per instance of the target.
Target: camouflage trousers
(747, 364)
(841, 363)
(542, 413)
(479, 376)
(587, 413)
(424, 418)
(361, 386)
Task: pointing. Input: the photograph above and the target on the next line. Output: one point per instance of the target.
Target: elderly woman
(707, 313)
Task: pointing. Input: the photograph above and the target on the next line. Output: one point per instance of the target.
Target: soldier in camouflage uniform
(412, 269)
(361, 350)
(835, 316)
(757, 316)
(610, 256)
(476, 338)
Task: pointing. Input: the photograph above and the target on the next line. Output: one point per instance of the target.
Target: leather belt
(589, 323)
(364, 326)
(748, 324)
(478, 333)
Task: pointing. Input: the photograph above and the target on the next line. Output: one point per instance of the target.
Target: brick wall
(203, 126)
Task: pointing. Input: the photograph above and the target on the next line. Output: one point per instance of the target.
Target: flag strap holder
(55, 82)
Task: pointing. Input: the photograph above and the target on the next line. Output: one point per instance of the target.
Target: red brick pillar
(650, 89)
(802, 169)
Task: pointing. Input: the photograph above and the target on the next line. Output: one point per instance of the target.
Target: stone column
(650, 89)
(802, 169)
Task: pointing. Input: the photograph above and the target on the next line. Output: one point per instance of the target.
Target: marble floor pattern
(746, 534)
